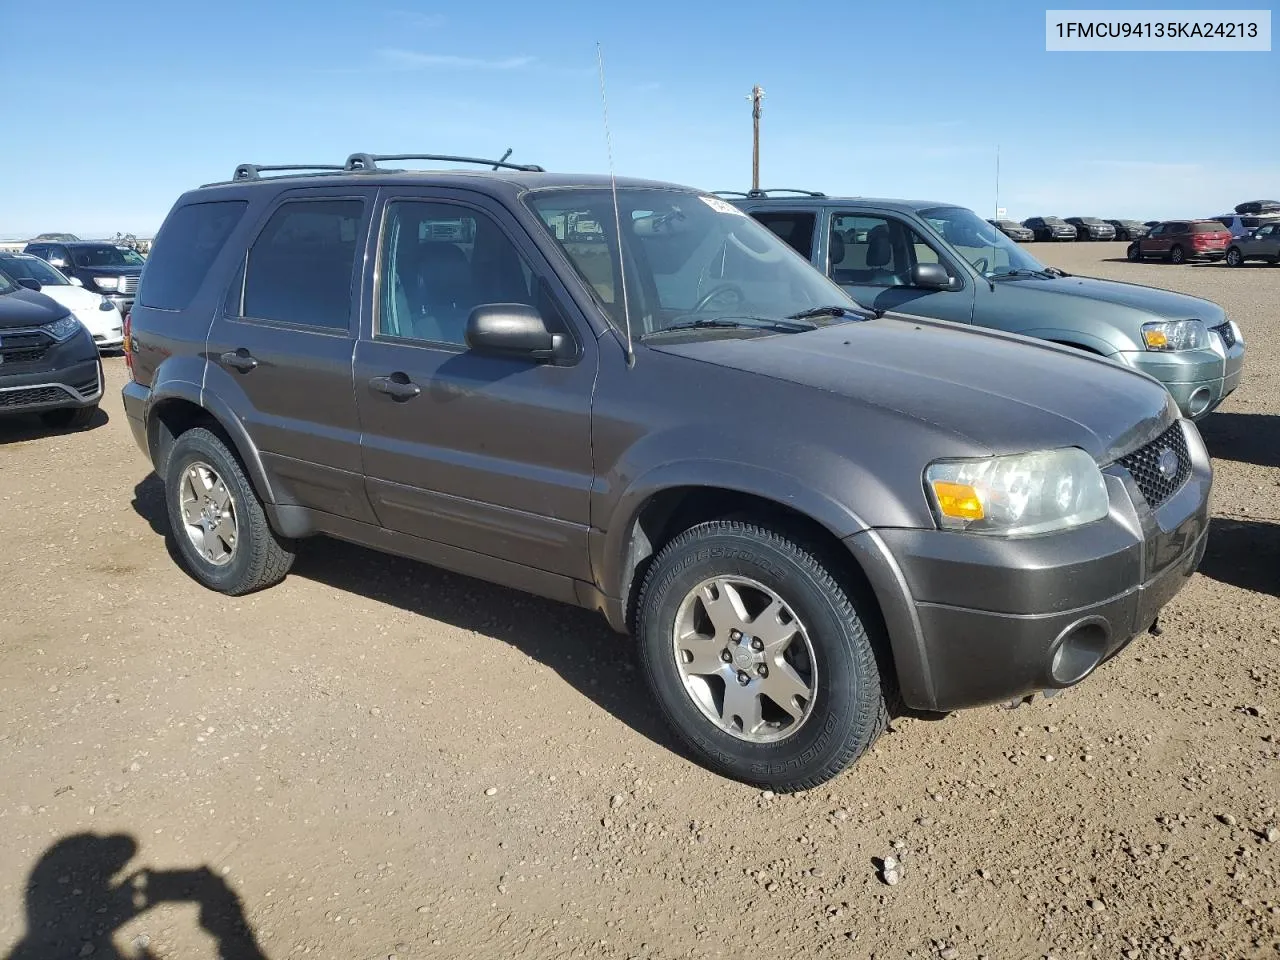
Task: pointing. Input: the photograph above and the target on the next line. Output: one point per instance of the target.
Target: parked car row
(820, 455)
(1051, 229)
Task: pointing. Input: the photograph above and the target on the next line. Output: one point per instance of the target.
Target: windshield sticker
(719, 206)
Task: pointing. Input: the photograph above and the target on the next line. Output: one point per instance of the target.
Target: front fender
(1073, 338)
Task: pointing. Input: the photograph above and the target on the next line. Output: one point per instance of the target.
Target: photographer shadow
(76, 902)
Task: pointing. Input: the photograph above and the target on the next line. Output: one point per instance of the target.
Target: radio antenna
(617, 216)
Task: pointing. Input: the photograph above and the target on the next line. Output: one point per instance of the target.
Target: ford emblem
(1167, 464)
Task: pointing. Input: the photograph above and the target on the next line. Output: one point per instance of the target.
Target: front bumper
(69, 375)
(1198, 380)
(975, 620)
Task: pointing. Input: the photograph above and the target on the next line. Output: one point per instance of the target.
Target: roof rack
(369, 161)
(758, 194)
(254, 171)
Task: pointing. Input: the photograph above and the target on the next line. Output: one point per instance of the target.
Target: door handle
(240, 359)
(397, 386)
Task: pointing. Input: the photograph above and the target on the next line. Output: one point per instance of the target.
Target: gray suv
(1260, 244)
(974, 274)
(643, 402)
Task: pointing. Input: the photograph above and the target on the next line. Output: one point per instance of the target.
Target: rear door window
(796, 228)
(184, 250)
(300, 267)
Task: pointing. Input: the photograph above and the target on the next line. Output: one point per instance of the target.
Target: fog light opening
(1199, 401)
(1079, 649)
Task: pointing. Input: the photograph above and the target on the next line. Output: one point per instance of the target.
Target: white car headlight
(64, 328)
(1172, 335)
(1019, 495)
(106, 283)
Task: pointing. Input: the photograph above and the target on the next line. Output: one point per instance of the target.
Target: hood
(26, 308)
(997, 392)
(72, 297)
(109, 271)
(1163, 304)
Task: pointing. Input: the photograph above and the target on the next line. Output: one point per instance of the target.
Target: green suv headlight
(1172, 335)
(64, 328)
(1019, 495)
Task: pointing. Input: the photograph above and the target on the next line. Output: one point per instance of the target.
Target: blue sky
(114, 111)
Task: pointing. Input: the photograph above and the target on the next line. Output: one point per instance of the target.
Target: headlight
(1019, 495)
(64, 328)
(1172, 335)
(106, 283)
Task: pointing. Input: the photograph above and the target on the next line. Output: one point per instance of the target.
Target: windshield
(7, 285)
(988, 250)
(688, 257)
(32, 268)
(106, 255)
(1091, 221)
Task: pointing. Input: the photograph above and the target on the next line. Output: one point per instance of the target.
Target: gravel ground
(379, 759)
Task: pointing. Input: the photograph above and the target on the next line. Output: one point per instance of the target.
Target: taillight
(128, 342)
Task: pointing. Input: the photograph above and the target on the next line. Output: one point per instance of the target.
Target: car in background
(1241, 225)
(1129, 229)
(1091, 228)
(1178, 241)
(53, 236)
(1013, 230)
(1258, 206)
(1261, 244)
(938, 260)
(102, 267)
(99, 314)
(49, 364)
(1050, 228)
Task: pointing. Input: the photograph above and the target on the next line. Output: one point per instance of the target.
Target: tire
(70, 418)
(253, 557)
(1234, 257)
(1134, 253)
(1123, 236)
(847, 707)
(1177, 254)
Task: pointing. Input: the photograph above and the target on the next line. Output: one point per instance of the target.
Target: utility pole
(756, 96)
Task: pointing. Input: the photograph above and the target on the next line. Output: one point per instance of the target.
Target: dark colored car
(1129, 229)
(1178, 241)
(1050, 228)
(876, 250)
(53, 236)
(1013, 230)
(105, 268)
(48, 361)
(802, 511)
(1091, 228)
(1262, 244)
(1258, 206)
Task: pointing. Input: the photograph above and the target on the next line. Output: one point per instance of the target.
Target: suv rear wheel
(218, 523)
(758, 657)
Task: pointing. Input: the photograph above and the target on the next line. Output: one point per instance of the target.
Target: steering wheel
(715, 293)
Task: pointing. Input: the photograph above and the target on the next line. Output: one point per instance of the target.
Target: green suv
(944, 261)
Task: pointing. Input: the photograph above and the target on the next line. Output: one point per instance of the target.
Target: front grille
(25, 347)
(1226, 333)
(1144, 466)
(31, 396)
(30, 355)
(128, 284)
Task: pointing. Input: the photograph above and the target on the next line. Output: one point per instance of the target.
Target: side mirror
(514, 330)
(75, 281)
(30, 283)
(930, 276)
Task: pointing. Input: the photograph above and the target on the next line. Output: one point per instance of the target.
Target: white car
(96, 312)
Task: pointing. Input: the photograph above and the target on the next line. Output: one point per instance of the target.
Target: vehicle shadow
(77, 897)
(1243, 437)
(575, 643)
(1244, 554)
(30, 427)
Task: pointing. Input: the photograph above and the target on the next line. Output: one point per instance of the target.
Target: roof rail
(760, 194)
(369, 161)
(254, 171)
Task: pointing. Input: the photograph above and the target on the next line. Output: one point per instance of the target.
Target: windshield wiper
(749, 323)
(1022, 272)
(833, 310)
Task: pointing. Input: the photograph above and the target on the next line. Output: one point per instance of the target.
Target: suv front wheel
(758, 657)
(218, 522)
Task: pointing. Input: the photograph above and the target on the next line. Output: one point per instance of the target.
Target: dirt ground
(379, 759)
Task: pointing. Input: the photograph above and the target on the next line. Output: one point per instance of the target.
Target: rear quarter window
(184, 249)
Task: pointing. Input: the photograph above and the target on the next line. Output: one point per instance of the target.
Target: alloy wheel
(208, 513)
